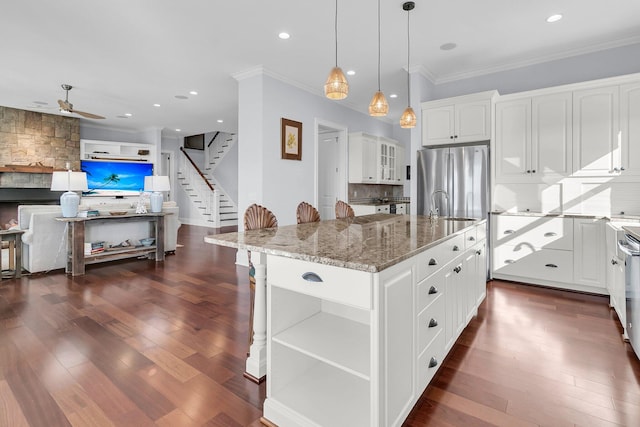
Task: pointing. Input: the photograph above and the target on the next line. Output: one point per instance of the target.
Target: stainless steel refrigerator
(454, 181)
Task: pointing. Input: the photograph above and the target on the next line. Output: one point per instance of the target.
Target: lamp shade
(156, 183)
(69, 181)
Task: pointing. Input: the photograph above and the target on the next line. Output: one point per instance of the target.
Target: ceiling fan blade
(87, 115)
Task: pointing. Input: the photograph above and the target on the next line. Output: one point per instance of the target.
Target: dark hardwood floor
(136, 343)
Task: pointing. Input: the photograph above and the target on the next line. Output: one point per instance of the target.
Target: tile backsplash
(372, 191)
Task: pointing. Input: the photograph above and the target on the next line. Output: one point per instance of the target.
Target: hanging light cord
(408, 59)
(336, 31)
(378, 45)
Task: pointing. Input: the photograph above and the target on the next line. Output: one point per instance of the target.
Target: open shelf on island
(340, 342)
(317, 392)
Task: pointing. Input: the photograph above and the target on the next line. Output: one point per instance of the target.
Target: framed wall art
(291, 134)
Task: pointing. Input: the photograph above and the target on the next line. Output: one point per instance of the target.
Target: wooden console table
(15, 252)
(76, 258)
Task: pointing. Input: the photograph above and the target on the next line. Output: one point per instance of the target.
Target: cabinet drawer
(429, 361)
(544, 264)
(430, 322)
(430, 289)
(539, 232)
(470, 237)
(434, 258)
(481, 232)
(341, 285)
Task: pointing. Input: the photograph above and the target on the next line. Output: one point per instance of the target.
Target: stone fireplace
(43, 142)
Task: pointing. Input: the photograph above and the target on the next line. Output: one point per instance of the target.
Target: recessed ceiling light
(393, 95)
(40, 102)
(193, 92)
(554, 18)
(128, 114)
(284, 36)
(220, 121)
(351, 73)
(178, 130)
(156, 105)
(448, 46)
(182, 97)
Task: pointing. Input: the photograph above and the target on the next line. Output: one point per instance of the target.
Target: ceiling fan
(67, 107)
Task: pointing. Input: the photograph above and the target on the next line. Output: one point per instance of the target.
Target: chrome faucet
(433, 211)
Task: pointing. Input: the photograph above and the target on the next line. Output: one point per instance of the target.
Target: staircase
(217, 209)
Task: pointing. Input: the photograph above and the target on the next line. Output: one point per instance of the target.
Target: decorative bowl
(147, 241)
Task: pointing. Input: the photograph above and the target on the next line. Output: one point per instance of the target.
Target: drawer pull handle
(433, 362)
(432, 261)
(433, 290)
(509, 231)
(458, 269)
(613, 261)
(551, 265)
(550, 234)
(311, 277)
(479, 252)
(471, 238)
(509, 261)
(456, 248)
(433, 323)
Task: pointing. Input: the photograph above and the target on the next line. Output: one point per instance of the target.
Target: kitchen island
(357, 314)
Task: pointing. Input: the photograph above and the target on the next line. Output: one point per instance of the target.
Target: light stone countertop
(367, 243)
(634, 231)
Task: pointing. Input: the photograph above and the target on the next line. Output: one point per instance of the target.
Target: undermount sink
(454, 218)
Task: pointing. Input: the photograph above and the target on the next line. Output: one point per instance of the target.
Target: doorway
(331, 167)
(166, 169)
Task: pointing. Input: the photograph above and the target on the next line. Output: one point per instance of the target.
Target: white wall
(266, 179)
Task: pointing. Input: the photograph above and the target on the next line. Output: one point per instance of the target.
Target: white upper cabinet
(596, 144)
(399, 172)
(551, 134)
(363, 158)
(630, 128)
(373, 159)
(533, 138)
(457, 120)
(513, 140)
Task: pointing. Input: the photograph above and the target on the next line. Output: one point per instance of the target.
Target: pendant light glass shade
(408, 119)
(336, 86)
(378, 106)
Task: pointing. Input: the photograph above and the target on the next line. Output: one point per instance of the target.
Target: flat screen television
(111, 178)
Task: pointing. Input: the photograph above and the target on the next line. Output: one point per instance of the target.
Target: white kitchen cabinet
(481, 271)
(566, 253)
(596, 144)
(364, 345)
(363, 158)
(372, 159)
(459, 121)
(630, 128)
(533, 138)
(589, 253)
(400, 163)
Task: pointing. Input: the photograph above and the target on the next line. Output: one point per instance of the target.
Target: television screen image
(106, 178)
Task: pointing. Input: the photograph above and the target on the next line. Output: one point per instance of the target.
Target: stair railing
(205, 189)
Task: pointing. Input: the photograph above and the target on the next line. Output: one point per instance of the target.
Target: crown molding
(538, 60)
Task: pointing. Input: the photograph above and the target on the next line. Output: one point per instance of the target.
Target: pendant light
(336, 86)
(408, 118)
(378, 106)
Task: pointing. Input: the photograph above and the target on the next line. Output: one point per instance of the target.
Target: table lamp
(69, 182)
(156, 184)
